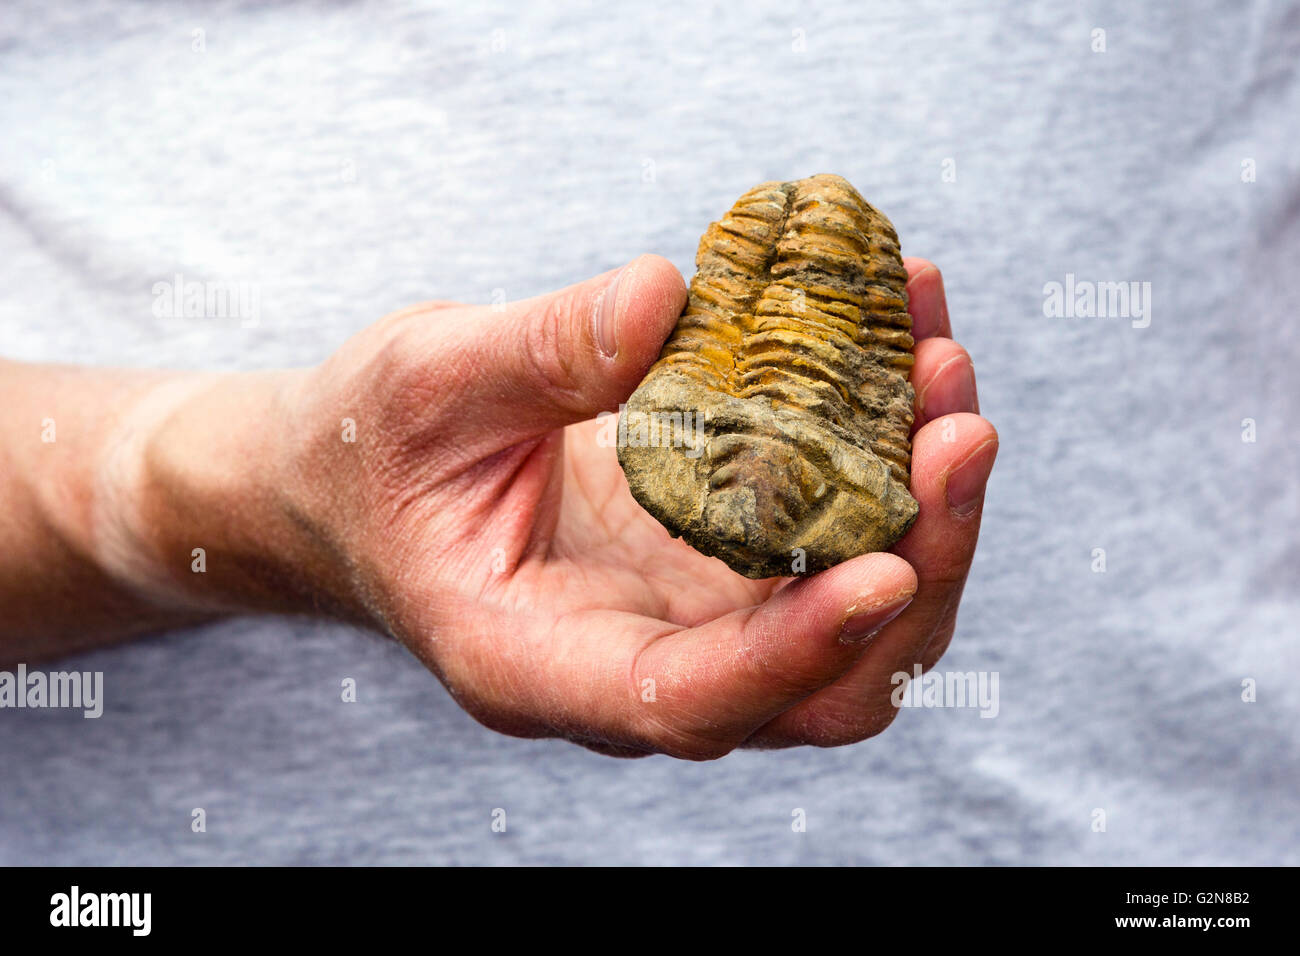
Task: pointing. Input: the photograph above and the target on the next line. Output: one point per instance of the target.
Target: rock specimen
(773, 430)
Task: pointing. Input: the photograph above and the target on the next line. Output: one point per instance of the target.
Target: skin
(476, 518)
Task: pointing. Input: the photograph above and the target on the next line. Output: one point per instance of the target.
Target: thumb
(719, 682)
(561, 358)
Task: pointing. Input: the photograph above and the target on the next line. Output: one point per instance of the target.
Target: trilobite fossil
(773, 431)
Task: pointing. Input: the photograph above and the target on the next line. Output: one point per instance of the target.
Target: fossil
(773, 431)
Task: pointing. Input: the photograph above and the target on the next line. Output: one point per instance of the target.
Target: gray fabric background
(351, 159)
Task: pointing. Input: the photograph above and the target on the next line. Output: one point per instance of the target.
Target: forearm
(140, 500)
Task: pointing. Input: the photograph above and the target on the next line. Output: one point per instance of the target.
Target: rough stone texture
(773, 430)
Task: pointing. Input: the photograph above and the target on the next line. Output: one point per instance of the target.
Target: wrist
(201, 501)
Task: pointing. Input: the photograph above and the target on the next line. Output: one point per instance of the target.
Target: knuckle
(840, 727)
(682, 737)
(548, 342)
(673, 723)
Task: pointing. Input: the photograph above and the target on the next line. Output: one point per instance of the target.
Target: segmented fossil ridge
(773, 430)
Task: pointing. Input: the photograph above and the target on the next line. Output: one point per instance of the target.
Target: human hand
(476, 517)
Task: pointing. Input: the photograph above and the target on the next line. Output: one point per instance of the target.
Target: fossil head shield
(773, 430)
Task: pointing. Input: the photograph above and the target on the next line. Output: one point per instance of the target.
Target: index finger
(926, 300)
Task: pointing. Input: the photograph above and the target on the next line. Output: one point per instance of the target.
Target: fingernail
(967, 481)
(606, 320)
(861, 626)
(951, 390)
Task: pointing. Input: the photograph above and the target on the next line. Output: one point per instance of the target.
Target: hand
(477, 518)
(440, 478)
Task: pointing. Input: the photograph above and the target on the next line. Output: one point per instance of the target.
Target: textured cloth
(348, 160)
